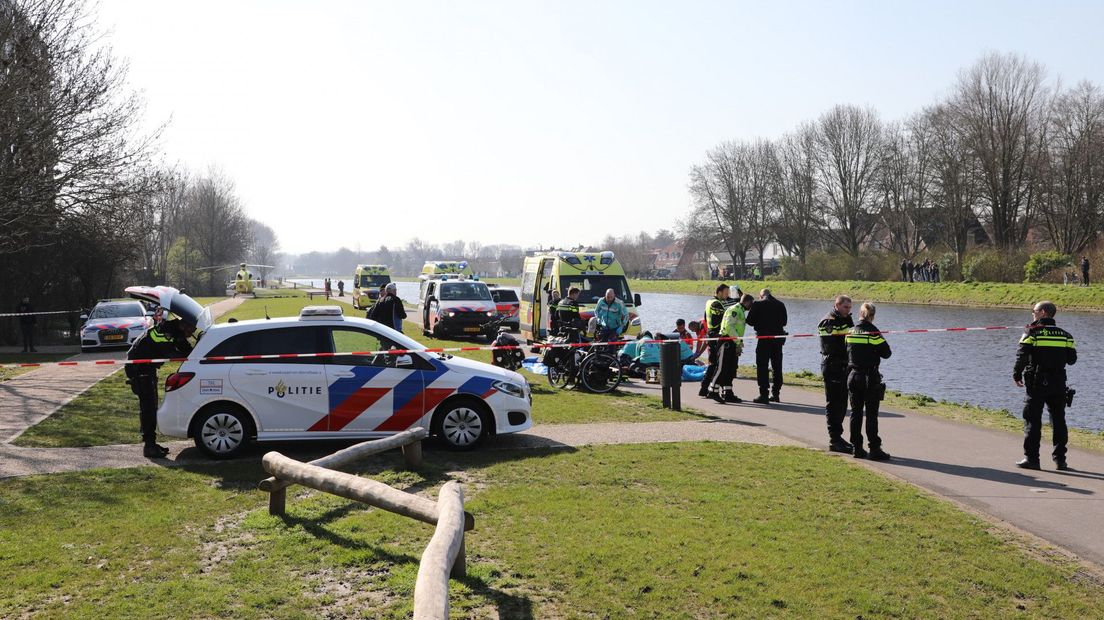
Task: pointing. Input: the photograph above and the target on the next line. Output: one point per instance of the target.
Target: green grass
(986, 294)
(999, 419)
(691, 530)
(27, 358)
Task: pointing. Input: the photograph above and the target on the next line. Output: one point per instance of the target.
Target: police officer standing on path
(1045, 351)
(866, 348)
(166, 339)
(714, 314)
(768, 317)
(732, 328)
(832, 330)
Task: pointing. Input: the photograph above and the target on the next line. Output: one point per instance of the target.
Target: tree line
(1006, 154)
(407, 259)
(86, 206)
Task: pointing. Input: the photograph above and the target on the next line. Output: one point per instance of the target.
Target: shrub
(1042, 264)
(994, 266)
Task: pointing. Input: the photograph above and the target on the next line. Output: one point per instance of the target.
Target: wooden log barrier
(353, 453)
(444, 556)
(355, 488)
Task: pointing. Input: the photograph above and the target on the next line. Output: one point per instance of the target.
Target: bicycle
(594, 367)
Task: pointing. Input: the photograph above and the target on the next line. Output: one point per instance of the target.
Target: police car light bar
(320, 312)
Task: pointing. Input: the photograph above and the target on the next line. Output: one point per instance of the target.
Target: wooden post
(277, 501)
(441, 556)
(412, 455)
(460, 566)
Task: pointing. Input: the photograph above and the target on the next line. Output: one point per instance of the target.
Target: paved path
(16, 461)
(31, 397)
(969, 464)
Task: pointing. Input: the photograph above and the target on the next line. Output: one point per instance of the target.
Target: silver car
(114, 323)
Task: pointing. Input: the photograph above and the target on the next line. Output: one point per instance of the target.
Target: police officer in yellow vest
(833, 328)
(166, 339)
(714, 314)
(1045, 351)
(732, 326)
(866, 348)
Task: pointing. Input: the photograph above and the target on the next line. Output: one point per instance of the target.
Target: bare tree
(799, 220)
(1001, 104)
(903, 185)
(849, 153)
(264, 247)
(1073, 175)
(954, 189)
(220, 229)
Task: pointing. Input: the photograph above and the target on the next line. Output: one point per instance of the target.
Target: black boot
(154, 451)
(839, 444)
(1027, 463)
(703, 392)
(877, 454)
(775, 398)
(1060, 464)
(762, 399)
(731, 397)
(717, 396)
(859, 452)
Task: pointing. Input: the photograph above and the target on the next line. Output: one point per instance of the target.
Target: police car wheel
(462, 426)
(223, 433)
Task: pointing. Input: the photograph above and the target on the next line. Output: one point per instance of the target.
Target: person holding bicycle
(571, 324)
(612, 315)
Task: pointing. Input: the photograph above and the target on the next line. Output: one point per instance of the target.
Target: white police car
(226, 403)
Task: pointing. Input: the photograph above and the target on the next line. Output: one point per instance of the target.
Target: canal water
(965, 367)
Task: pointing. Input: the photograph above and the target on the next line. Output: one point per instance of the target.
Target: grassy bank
(984, 294)
(709, 530)
(999, 419)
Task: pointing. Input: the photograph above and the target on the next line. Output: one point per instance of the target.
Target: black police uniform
(554, 316)
(714, 313)
(1045, 351)
(833, 328)
(768, 317)
(161, 341)
(866, 348)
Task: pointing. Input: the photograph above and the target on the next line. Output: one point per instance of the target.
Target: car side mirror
(636, 299)
(84, 317)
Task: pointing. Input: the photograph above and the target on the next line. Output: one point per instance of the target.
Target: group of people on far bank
(851, 356)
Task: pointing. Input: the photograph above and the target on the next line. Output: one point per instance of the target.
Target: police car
(113, 323)
(224, 404)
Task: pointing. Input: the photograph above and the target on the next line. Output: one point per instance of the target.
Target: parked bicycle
(594, 367)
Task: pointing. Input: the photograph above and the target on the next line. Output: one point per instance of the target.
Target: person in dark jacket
(866, 348)
(27, 324)
(1084, 271)
(1045, 351)
(768, 317)
(166, 339)
(554, 312)
(833, 329)
(714, 313)
(904, 271)
(568, 309)
(388, 309)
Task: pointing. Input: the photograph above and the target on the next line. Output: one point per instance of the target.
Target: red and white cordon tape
(281, 356)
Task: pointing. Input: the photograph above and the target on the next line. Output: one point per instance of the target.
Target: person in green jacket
(733, 325)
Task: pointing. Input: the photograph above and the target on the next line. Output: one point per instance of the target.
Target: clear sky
(360, 123)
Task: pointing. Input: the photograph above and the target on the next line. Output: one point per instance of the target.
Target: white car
(226, 403)
(113, 323)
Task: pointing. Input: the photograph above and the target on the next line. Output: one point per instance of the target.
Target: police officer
(866, 348)
(1044, 352)
(832, 330)
(732, 328)
(768, 317)
(568, 310)
(166, 339)
(714, 314)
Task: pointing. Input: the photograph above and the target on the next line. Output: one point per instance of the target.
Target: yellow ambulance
(591, 272)
(367, 280)
(443, 268)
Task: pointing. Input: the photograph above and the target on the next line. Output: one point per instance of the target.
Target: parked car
(113, 323)
(507, 305)
(224, 402)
